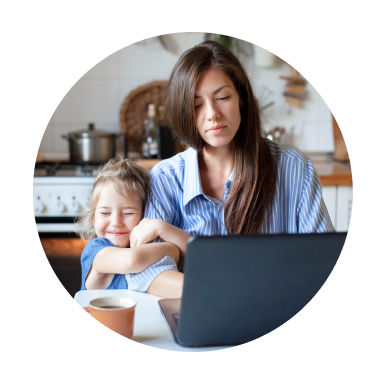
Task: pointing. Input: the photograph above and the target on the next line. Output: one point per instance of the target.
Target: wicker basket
(340, 150)
(133, 110)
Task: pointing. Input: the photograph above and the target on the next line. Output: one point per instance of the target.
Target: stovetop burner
(66, 168)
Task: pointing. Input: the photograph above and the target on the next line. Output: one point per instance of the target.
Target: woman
(231, 180)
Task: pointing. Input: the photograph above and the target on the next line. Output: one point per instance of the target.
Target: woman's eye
(223, 98)
(198, 106)
(104, 213)
(128, 214)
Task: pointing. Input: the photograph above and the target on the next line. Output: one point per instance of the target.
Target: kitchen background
(97, 98)
(99, 94)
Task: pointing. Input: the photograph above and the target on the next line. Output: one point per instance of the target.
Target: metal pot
(91, 145)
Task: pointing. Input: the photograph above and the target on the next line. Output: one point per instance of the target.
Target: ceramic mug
(116, 313)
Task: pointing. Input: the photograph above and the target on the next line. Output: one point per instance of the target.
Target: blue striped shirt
(141, 281)
(177, 196)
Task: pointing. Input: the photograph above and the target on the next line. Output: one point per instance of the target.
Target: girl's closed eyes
(116, 214)
(103, 212)
(109, 213)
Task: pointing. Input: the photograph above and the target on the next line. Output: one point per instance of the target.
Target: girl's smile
(116, 216)
(117, 233)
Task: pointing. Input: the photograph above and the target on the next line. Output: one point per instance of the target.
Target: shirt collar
(192, 181)
(228, 183)
(192, 186)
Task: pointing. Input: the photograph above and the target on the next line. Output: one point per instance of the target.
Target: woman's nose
(212, 112)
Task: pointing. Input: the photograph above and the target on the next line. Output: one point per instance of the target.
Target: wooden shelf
(294, 79)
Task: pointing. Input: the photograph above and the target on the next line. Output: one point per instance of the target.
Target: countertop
(330, 171)
(333, 172)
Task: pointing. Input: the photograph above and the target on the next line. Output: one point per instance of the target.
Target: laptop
(241, 287)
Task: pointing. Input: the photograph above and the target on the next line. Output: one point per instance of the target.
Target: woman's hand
(146, 231)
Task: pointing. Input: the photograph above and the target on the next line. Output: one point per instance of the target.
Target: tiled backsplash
(98, 95)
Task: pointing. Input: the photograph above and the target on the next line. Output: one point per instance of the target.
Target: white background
(47, 46)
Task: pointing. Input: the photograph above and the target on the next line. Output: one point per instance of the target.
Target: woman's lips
(217, 129)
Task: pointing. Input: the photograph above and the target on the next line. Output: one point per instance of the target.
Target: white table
(150, 327)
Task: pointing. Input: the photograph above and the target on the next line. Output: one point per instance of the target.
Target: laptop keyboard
(175, 316)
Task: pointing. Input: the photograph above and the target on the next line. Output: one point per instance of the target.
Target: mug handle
(87, 309)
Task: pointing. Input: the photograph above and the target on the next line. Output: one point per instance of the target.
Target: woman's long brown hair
(253, 185)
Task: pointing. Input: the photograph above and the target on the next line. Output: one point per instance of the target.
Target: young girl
(116, 206)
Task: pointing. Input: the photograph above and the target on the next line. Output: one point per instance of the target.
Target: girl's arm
(114, 260)
(149, 229)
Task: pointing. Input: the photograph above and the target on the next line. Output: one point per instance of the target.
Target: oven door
(56, 224)
(59, 201)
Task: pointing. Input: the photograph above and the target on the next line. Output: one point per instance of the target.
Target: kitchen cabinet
(339, 201)
(344, 207)
(337, 190)
(329, 194)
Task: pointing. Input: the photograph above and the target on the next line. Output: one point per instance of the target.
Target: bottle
(150, 143)
(166, 140)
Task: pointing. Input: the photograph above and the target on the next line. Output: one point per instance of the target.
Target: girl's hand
(146, 231)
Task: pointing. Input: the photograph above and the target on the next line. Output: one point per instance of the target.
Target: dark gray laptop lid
(238, 288)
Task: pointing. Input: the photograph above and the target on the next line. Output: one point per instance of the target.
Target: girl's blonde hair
(127, 177)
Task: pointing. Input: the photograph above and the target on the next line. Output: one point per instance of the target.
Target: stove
(60, 194)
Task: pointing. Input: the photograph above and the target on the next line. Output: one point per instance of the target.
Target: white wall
(98, 95)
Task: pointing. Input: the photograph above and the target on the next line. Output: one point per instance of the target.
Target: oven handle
(55, 219)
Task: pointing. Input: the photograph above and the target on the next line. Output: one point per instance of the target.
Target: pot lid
(91, 132)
